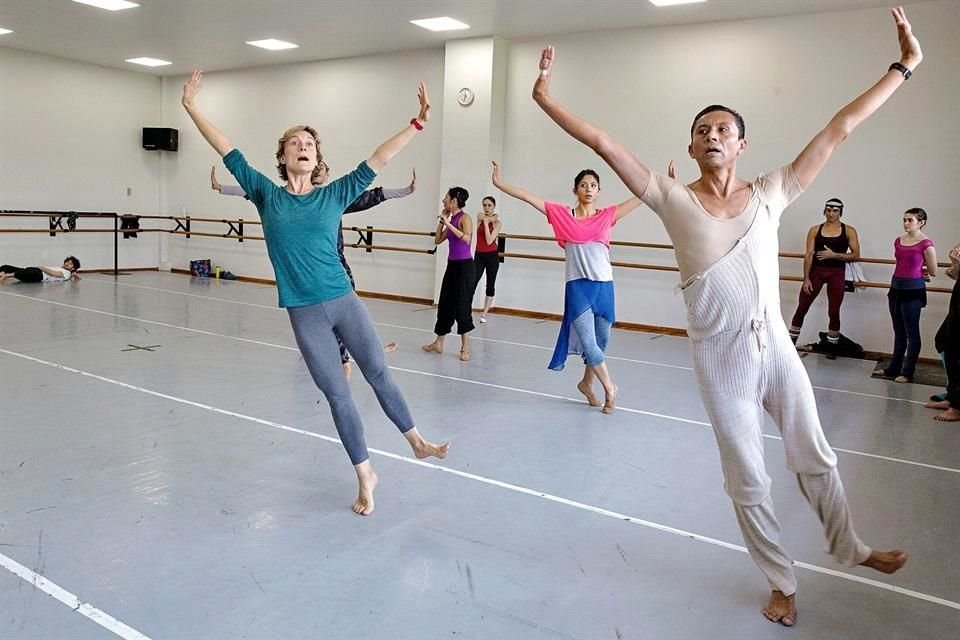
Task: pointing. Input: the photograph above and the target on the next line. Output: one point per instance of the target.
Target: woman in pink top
(588, 308)
(915, 253)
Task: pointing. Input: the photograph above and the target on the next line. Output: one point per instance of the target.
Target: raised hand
(191, 88)
(910, 53)
(495, 178)
(424, 99)
(213, 178)
(546, 60)
(955, 255)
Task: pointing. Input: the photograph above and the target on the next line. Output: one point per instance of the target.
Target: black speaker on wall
(160, 139)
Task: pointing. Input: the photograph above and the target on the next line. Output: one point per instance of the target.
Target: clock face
(465, 97)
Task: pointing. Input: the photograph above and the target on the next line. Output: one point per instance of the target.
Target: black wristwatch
(896, 66)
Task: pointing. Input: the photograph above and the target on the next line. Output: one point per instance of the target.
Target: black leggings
(29, 274)
(456, 294)
(488, 261)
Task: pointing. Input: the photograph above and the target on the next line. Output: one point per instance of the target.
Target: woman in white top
(42, 274)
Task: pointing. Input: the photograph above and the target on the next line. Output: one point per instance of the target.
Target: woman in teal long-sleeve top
(300, 224)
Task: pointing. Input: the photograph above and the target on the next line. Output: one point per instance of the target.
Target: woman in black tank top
(824, 263)
(837, 244)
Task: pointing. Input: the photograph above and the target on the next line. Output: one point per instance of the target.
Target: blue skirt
(580, 295)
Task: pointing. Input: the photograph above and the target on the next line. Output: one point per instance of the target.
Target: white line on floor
(497, 483)
(494, 340)
(476, 382)
(57, 592)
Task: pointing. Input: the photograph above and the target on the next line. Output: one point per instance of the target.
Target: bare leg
(424, 448)
(464, 347)
(585, 386)
(609, 389)
(487, 303)
(436, 346)
(368, 482)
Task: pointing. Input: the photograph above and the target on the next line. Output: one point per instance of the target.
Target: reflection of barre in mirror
(301, 223)
(743, 357)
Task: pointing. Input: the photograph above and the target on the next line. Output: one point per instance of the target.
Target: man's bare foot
(610, 401)
(903, 379)
(368, 482)
(950, 415)
(347, 370)
(781, 608)
(433, 346)
(587, 391)
(938, 404)
(886, 561)
(424, 448)
(390, 347)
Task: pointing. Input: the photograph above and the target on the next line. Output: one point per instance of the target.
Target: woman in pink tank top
(456, 291)
(915, 254)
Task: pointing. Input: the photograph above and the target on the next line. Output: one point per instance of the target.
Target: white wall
(355, 104)
(70, 140)
(787, 76)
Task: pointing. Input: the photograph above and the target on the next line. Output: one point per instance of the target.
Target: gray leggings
(317, 328)
(593, 331)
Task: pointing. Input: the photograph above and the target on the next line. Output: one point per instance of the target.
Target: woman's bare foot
(347, 370)
(886, 561)
(781, 608)
(464, 355)
(903, 379)
(433, 346)
(950, 415)
(390, 347)
(423, 448)
(938, 404)
(368, 482)
(610, 401)
(587, 391)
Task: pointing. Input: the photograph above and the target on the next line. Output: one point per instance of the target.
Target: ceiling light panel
(272, 44)
(149, 62)
(440, 24)
(109, 5)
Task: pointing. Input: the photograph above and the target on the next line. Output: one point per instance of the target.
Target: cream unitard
(746, 364)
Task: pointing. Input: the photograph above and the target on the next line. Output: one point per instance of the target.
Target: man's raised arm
(631, 171)
(815, 155)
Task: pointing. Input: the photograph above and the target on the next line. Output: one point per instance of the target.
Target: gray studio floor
(196, 489)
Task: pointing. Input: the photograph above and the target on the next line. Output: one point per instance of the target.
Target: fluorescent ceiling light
(109, 5)
(670, 3)
(4, 32)
(272, 44)
(440, 24)
(149, 62)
